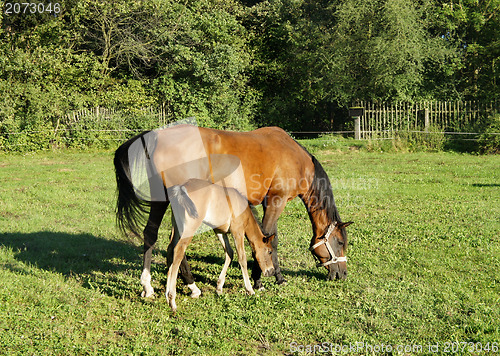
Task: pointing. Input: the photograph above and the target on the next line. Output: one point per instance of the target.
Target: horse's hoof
(148, 294)
(258, 285)
(195, 291)
(281, 281)
(220, 286)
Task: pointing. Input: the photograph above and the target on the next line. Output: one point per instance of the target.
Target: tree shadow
(480, 185)
(71, 253)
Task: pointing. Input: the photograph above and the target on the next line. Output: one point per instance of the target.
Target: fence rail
(451, 117)
(459, 119)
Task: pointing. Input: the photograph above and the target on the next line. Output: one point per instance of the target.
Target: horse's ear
(269, 238)
(345, 224)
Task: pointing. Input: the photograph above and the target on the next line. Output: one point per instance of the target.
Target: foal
(224, 210)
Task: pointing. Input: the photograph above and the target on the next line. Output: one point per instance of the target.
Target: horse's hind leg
(184, 268)
(178, 250)
(150, 236)
(229, 257)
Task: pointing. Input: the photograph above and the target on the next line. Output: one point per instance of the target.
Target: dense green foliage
(238, 64)
(423, 264)
(489, 141)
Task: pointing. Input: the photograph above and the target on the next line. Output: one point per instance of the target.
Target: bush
(489, 141)
(433, 140)
(108, 127)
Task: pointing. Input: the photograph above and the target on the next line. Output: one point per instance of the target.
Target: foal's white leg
(242, 259)
(179, 251)
(195, 291)
(229, 257)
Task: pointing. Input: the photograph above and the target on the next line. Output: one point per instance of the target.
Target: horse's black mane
(321, 190)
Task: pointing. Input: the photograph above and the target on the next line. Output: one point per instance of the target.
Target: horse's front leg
(150, 236)
(272, 210)
(229, 257)
(242, 259)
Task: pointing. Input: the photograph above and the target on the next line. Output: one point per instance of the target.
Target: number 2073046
(15, 8)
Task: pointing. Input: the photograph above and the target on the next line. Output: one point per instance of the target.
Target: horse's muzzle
(338, 274)
(268, 272)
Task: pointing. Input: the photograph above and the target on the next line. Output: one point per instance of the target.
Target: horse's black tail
(179, 197)
(130, 209)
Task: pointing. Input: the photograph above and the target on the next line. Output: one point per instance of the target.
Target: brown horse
(266, 165)
(224, 210)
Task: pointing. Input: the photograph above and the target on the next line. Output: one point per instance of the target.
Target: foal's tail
(179, 197)
(130, 209)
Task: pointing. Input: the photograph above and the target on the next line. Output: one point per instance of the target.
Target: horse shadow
(197, 258)
(111, 266)
(310, 274)
(78, 256)
(104, 264)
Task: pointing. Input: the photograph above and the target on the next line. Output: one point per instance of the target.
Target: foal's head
(330, 250)
(263, 250)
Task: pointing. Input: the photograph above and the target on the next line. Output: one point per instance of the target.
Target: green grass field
(424, 265)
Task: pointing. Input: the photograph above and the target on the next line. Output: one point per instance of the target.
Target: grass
(424, 262)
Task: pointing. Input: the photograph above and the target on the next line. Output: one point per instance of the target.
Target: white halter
(333, 259)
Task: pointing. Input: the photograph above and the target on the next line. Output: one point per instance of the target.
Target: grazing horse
(224, 210)
(266, 165)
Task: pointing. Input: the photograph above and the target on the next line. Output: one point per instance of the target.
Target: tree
(377, 52)
(204, 58)
(314, 58)
(472, 27)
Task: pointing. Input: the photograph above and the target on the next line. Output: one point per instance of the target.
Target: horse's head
(263, 255)
(330, 250)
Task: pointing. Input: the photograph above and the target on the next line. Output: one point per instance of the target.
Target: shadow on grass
(316, 274)
(71, 253)
(100, 263)
(461, 146)
(197, 260)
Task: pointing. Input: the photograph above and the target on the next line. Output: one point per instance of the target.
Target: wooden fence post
(426, 119)
(356, 113)
(357, 128)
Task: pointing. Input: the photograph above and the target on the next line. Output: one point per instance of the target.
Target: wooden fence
(383, 120)
(100, 113)
(380, 121)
